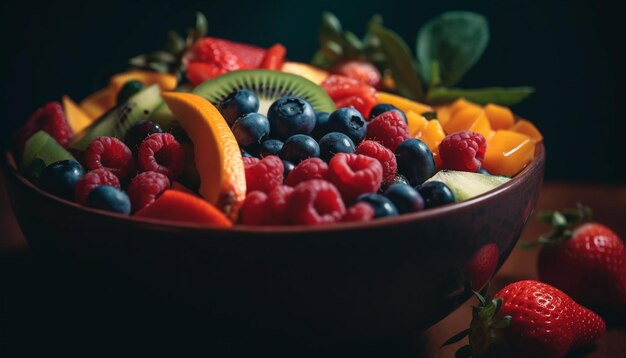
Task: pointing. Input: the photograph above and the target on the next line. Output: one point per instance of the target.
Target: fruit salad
(222, 133)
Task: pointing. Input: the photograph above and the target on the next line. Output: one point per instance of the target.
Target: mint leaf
(454, 39)
(505, 96)
(400, 61)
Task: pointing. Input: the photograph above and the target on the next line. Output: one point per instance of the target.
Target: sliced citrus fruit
(217, 155)
(97, 103)
(166, 81)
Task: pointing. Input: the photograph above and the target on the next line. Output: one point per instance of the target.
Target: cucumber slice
(117, 121)
(40, 151)
(466, 185)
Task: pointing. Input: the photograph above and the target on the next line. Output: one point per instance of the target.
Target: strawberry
(529, 319)
(348, 92)
(274, 58)
(361, 71)
(587, 262)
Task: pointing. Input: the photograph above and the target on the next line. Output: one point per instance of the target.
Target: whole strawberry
(529, 319)
(587, 262)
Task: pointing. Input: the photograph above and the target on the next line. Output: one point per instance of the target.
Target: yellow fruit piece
(525, 127)
(460, 104)
(403, 104)
(76, 117)
(217, 155)
(97, 103)
(311, 73)
(415, 122)
(469, 118)
(508, 153)
(443, 114)
(499, 117)
(166, 81)
(432, 134)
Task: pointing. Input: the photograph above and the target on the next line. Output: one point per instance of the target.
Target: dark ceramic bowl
(343, 282)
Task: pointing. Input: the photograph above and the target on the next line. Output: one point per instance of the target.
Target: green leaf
(455, 39)
(330, 28)
(457, 337)
(399, 61)
(505, 96)
(464, 352)
(525, 245)
(175, 43)
(558, 220)
(502, 323)
(202, 26)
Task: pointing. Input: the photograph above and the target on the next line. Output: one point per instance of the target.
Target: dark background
(569, 50)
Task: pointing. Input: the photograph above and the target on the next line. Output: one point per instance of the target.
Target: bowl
(348, 282)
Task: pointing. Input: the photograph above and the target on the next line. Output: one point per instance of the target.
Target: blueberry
(250, 129)
(382, 206)
(385, 107)
(138, 132)
(237, 104)
(128, 90)
(406, 199)
(299, 147)
(333, 143)
(435, 193)
(270, 147)
(398, 178)
(348, 121)
(321, 125)
(291, 115)
(60, 178)
(109, 198)
(483, 171)
(288, 167)
(415, 161)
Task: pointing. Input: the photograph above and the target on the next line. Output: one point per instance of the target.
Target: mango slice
(432, 134)
(460, 104)
(99, 102)
(76, 117)
(415, 122)
(403, 104)
(443, 114)
(508, 153)
(311, 73)
(499, 117)
(525, 127)
(469, 118)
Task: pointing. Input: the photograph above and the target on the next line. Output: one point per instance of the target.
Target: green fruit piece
(129, 89)
(40, 151)
(466, 185)
(116, 121)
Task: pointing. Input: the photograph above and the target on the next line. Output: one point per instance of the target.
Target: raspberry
(162, 153)
(91, 180)
(145, 188)
(250, 160)
(315, 202)
(50, 119)
(355, 174)
(312, 168)
(278, 199)
(389, 128)
(109, 153)
(360, 211)
(264, 175)
(464, 150)
(384, 156)
(255, 209)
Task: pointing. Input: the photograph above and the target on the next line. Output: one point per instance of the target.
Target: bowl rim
(164, 225)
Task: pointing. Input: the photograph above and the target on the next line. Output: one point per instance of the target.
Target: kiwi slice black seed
(268, 86)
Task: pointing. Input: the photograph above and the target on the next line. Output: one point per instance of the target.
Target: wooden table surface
(608, 202)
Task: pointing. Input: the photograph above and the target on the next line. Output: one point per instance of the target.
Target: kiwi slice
(40, 151)
(268, 85)
(117, 121)
(467, 185)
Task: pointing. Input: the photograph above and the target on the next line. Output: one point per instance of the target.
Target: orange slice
(166, 81)
(311, 73)
(217, 156)
(97, 103)
(76, 117)
(403, 104)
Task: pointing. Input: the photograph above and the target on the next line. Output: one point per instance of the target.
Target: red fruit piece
(384, 156)
(361, 71)
(355, 174)
(255, 209)
(315, 202)
(250, 160)
(388, 128)
(348, 92)
(91, 180)
(482, 266)
(359, 212)
(589, 265)
(109, 153)
(464, 150)
(51, 119)
(161, 153)
(274, 58)
(278, 199)
(311, 168)
(199, 72)
(264, 175)
(545, 321)
(145, 188)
